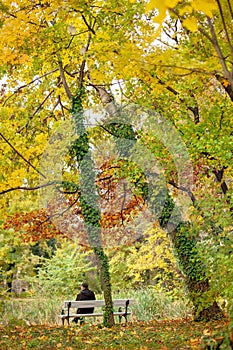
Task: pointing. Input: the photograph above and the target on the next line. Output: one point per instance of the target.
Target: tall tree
(194, 92)
(61, 53)
(53, 48)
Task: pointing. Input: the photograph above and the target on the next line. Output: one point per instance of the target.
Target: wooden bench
(122, 305)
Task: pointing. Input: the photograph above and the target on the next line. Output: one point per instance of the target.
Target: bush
(63, 273)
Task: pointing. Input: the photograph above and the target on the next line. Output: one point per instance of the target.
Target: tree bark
(191, 264)
(106, 286)
(89, 204)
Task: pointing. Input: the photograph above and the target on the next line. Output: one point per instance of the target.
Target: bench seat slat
(94, 315)
(94, 303)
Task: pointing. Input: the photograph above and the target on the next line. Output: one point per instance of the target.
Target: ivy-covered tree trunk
(89, 203)
(205, 308)
(191, 264)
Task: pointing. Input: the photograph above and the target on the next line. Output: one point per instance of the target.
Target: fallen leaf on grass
(195, 340)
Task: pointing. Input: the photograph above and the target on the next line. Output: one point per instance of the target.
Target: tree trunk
(106, 286)
(89, 204)
(203, 313)
(191, 264)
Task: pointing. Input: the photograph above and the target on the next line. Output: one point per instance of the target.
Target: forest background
(116, 152)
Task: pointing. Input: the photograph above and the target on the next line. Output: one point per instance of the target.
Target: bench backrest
(95, 303)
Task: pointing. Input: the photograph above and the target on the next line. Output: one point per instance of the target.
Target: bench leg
(63, 320)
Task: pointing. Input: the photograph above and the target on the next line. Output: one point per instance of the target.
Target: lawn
(172, 334)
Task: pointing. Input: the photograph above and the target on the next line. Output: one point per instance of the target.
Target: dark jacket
(86, 294)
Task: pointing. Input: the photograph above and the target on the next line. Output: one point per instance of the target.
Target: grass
(163, 334)
(31, 311)
(149, 305)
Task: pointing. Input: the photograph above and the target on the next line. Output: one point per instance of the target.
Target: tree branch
(230, 8)
(21, 156)
(63, 78)
(194, 110)
(61, 213)
(87, 24)
(184, 189)
(225, 27)
(219, 177)
(83, 64)
(218, 50)
(107, 100)
(227, 87)
(41, 104)
(26, 85)
(28, 188)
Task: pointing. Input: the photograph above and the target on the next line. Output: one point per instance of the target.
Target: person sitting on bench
(85, 294)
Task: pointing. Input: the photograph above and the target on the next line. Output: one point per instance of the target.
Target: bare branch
(63, 78)
(218, 49)
(194, 110)
(225, 27)
(62, 212)
(28, 188)
(38, 78)
(41, 104)
(219, 177)
(26, 85)
(230, 8)
(167, 44)
(70, 42)
(68, 192)
(55, 106)
(83, 64)
(184, 189)
(21, 156)
(61, 105)
(87, 24)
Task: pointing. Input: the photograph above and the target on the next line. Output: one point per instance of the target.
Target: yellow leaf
(206, 7)
(225, 82)
(185, 9)
(160, 5)
(171, 3)
(162, 8)
(206, 332)
(151, 5)
(196, 340)
(190, 23)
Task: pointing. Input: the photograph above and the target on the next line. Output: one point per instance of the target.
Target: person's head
(84, 286)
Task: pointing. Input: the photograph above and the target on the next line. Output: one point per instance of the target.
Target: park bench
(121, 304)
